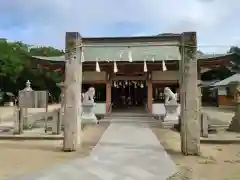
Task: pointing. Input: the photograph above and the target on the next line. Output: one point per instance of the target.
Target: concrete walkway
(125, 152)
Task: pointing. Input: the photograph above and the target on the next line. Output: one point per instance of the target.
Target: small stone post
(189, 96)
(56, 127)
(72, 96)
(61, 85)
(18, 121)
(204, 125)
(235, 124)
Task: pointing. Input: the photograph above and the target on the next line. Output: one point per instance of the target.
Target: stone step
(130, 120)
(134, 118)
(141, 123)
(113, 115)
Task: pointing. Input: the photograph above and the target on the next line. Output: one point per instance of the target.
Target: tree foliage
(234, 49)
(12, 57)
(15, 67)
(45, 51)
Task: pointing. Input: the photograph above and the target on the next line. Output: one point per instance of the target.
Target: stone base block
(171, 117)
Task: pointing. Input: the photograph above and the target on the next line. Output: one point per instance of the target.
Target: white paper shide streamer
(115, 69)
(153, 59)
(130, 56)
(97, 66)
(164, 68)
(82, 56)
(145, 67)
(121, 54)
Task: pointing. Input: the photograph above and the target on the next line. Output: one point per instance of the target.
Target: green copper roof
(213, 56)
(52, 58)
(140, 51)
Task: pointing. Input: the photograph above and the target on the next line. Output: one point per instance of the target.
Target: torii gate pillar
(72, 95)
(189, 96)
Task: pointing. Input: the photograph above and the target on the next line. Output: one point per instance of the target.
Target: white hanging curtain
(130, 56)
(97, 66)
(145, 67)
(115, 69)
(82, 56)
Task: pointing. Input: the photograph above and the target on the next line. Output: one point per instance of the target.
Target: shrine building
(131, 73)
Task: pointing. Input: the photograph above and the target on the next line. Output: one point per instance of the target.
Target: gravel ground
(216, 162)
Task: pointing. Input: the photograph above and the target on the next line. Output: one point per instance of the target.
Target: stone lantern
(234, 92)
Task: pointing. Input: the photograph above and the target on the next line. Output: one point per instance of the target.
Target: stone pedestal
(88, 115)
(172, 112)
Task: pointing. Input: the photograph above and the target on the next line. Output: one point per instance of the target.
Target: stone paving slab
(125, 152)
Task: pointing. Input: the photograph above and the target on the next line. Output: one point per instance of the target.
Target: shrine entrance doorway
(128, 92)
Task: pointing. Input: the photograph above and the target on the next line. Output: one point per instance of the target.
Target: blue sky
(44, 22)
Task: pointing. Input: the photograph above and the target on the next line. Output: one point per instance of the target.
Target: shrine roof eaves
(51, 58)
(225, 82)
(213, 56)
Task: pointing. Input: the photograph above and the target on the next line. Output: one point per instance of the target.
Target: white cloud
(45, 22)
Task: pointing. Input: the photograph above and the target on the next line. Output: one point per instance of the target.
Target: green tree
(12, 59)
(48, 78)
(234, 49)
(15, 67)
(45, 51)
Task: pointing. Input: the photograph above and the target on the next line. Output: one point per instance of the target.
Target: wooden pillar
(189, 96)
(72, 96)
(108, 96)
(149, 95)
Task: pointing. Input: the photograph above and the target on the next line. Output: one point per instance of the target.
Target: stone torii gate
(189, 93)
